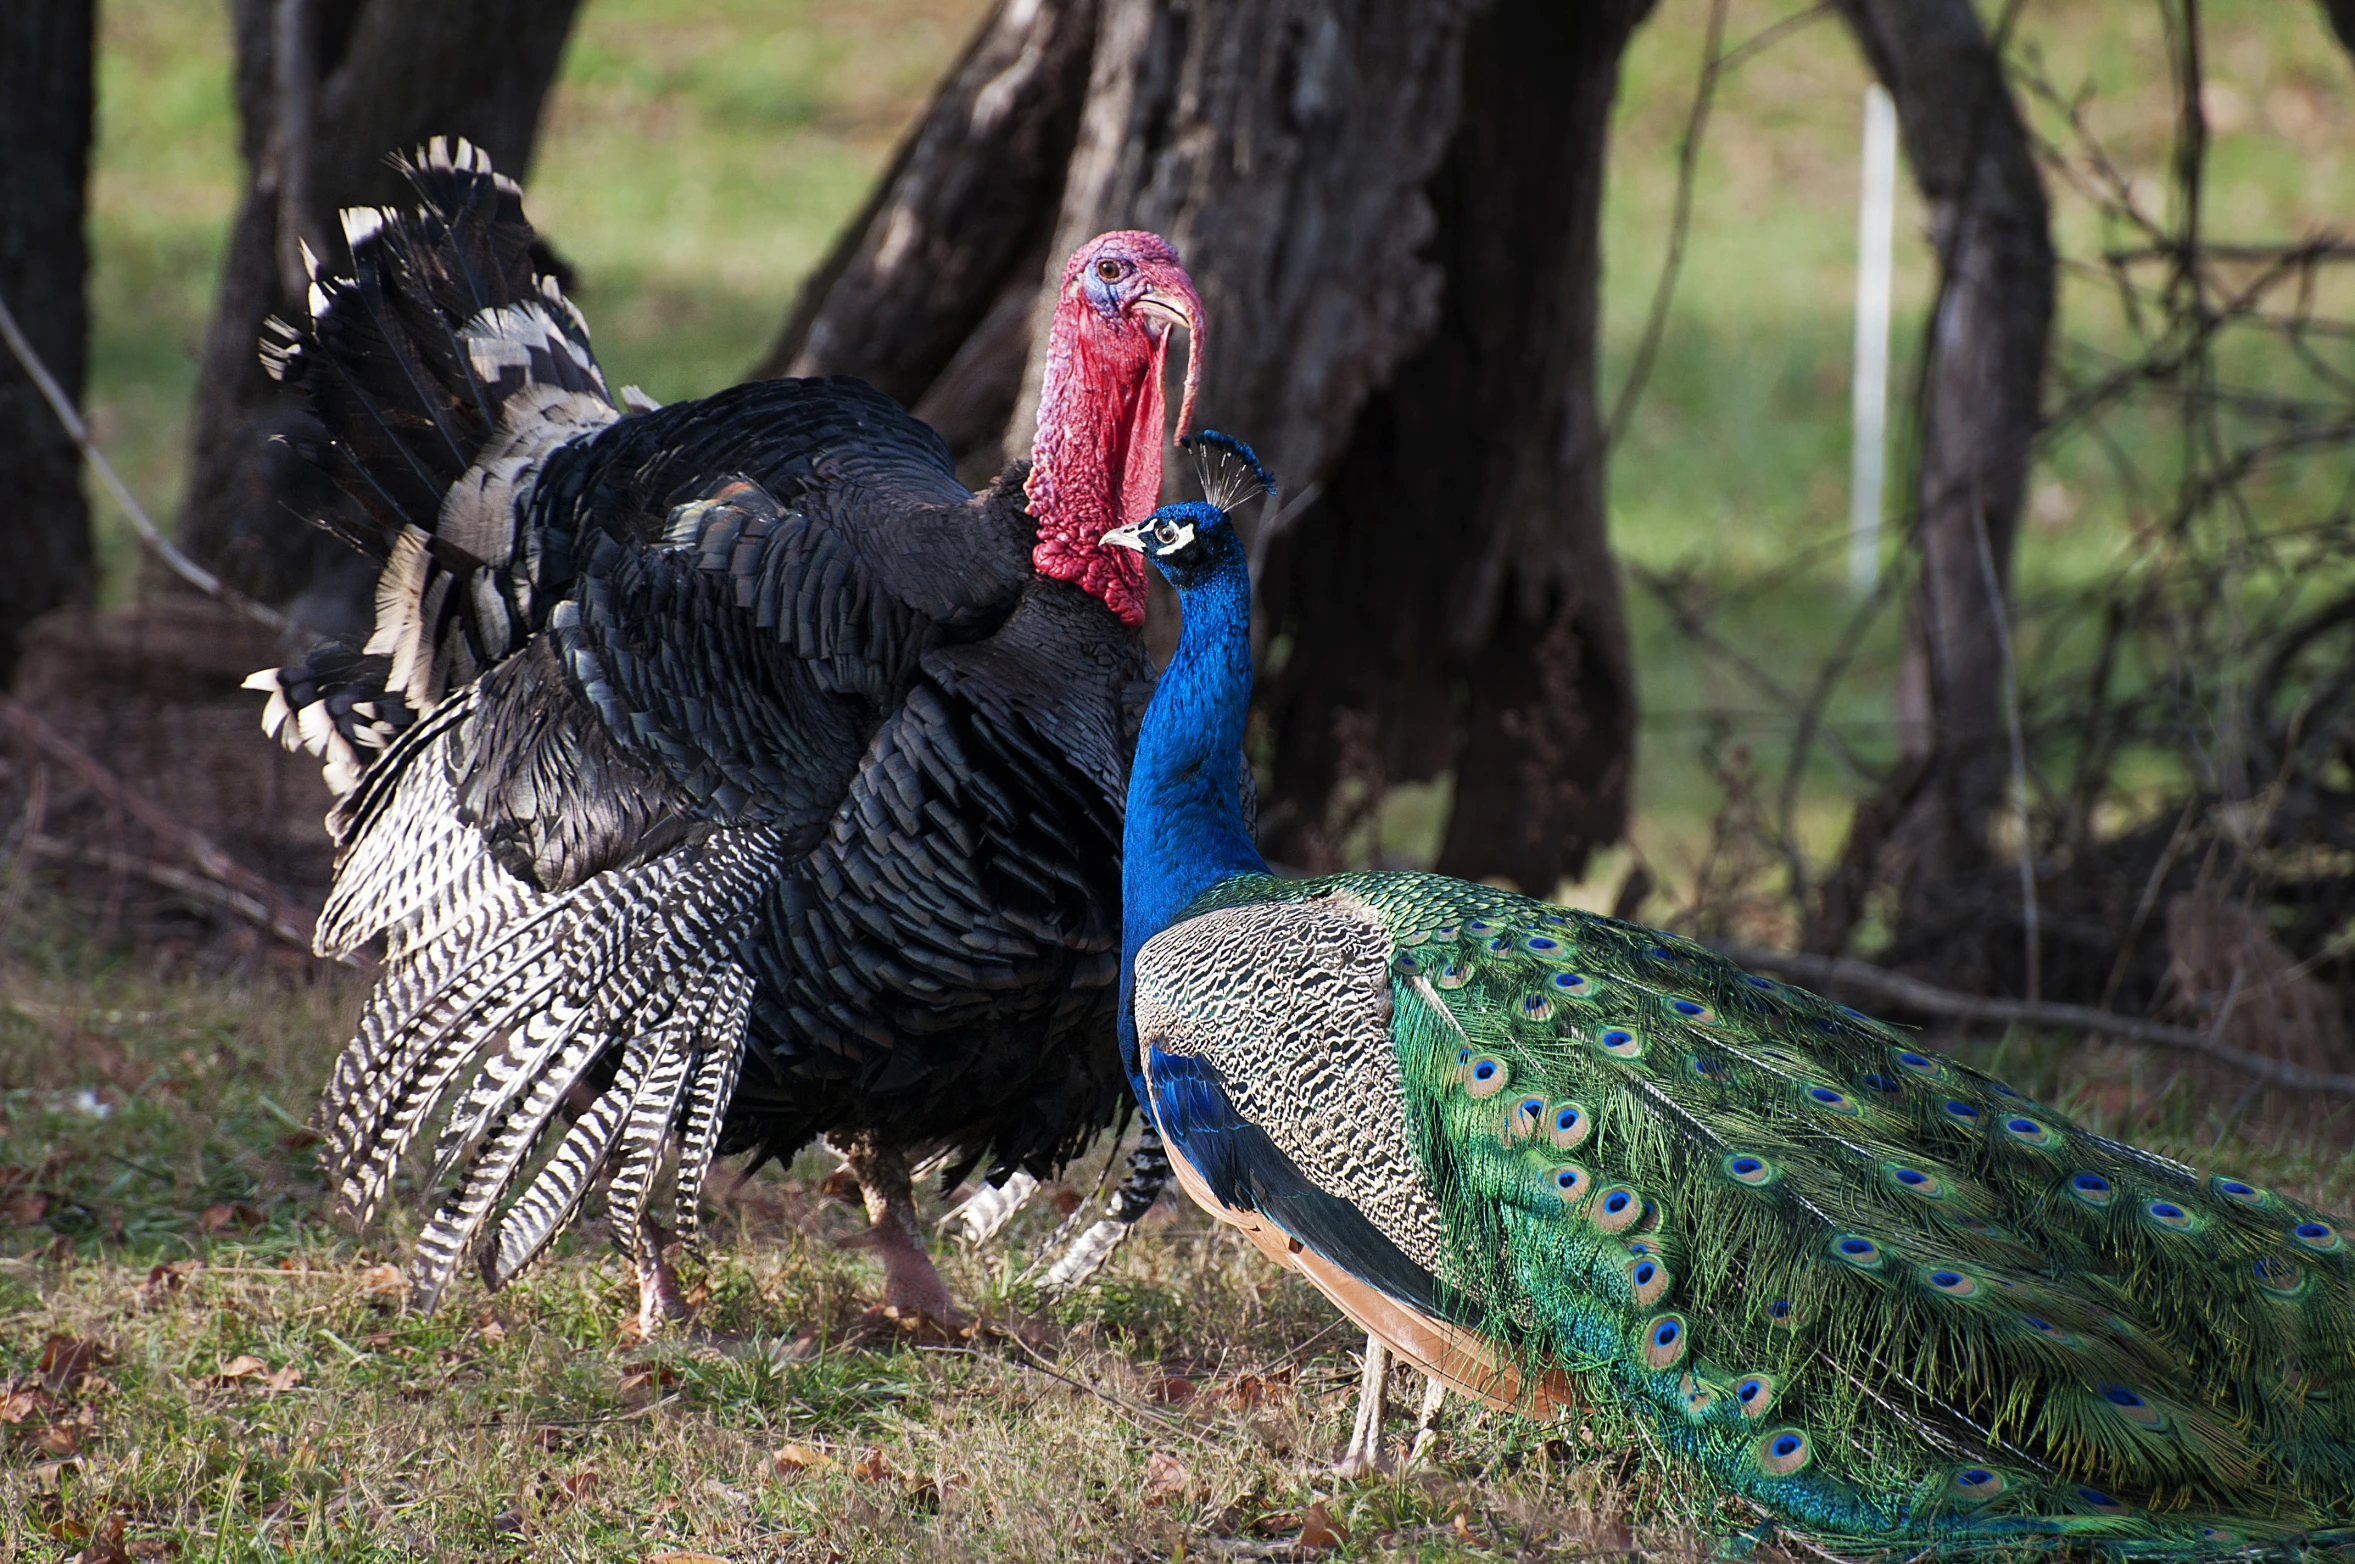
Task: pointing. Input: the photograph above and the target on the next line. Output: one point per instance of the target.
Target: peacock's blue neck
(1185, 832)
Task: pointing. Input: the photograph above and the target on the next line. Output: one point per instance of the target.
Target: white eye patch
(1168, 538)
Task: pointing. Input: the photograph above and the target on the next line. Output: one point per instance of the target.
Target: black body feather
(735, 762)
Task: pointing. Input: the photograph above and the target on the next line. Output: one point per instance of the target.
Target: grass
(192, 1350)
(196, 1363)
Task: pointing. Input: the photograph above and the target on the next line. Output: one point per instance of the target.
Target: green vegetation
(189, 1348)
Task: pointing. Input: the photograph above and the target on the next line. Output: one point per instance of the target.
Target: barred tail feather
(646, 1136)
(728, 1010)
(549, 1203)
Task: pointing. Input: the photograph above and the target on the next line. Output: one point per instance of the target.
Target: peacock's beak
(1126, 537)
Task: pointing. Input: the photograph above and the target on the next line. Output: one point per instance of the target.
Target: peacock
(1553, 1158)
(719, 775)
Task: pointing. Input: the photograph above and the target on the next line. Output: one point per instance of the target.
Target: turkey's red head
(1096, 463)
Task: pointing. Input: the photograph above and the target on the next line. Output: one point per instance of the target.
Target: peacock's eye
(1163, 533)
(1109, 270)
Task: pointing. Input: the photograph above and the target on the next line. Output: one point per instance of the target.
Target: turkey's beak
(1126, 537)
(1169, 297)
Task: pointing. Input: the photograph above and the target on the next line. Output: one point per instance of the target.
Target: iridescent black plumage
(727, 755)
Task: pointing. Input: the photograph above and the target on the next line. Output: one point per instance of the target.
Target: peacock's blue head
(1194, 541)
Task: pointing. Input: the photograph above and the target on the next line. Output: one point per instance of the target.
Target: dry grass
(194, 1363)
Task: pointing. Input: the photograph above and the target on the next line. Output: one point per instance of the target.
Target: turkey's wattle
(1097, 460)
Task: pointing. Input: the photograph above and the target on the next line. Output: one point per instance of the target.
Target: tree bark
(1451, 602)
(327, 90)
(1402, 315)
(1980, 405)
(928, 293)
(2340, 14)
(46, 103)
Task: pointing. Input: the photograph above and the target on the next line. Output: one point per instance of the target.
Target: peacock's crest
(1229, 470)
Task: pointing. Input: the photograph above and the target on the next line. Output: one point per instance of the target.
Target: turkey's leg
(1427, 1420)
(910, 1284)
(658, 1284)
(1364, 1456)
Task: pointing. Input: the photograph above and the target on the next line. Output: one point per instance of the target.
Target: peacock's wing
(1867, 1287)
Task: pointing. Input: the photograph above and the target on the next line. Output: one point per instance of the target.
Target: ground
(196, 1363)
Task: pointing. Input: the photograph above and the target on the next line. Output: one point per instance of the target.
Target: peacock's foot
(1364, 1457)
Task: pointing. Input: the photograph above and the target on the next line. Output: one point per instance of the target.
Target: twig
(1912, 993)
(2000, 615)
(194, 886)
(180, 564)
(286, 920)
(1688, 157)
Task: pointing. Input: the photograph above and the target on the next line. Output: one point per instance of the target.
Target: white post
(1876, 218)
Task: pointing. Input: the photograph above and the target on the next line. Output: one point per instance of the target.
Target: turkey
(1558, 1159)
(718, 775)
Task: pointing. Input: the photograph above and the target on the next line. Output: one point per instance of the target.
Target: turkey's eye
(1109, 270)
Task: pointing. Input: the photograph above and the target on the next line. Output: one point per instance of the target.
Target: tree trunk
(1980, 405)
(45, 117)
(1306, 159)
(2340, 14)
(928, 293)
(327, 90)
(1451, 602)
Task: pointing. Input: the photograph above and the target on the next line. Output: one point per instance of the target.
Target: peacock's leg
(1427, 1419)
(658, 1284)
(1363, 1458)
(910, 1284)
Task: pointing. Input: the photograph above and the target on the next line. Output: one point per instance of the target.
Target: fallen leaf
(1464, 1531)
(164, 1279)
(149, 1550)
(106, 1544)
(574, 1488)
(493, 1332)
(1066, 1201)
(243, 1366)
(58, 1440)
(1166, 1478)
(66, 1359)
(218, 1218)
(285, 1379)
(1318, 1529)
(26, 1207)
(871, 1466)
(792, 1460)
(1174, 1391)
(300, 1140)
(382, 1284)
(649, 1378)
(1247, 1392)
(48, 1474)
(21, 1401)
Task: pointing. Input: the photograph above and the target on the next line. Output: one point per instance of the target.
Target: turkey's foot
(660, 1299)
(912, 1289)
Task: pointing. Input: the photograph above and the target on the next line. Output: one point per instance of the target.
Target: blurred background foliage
(695, 167)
